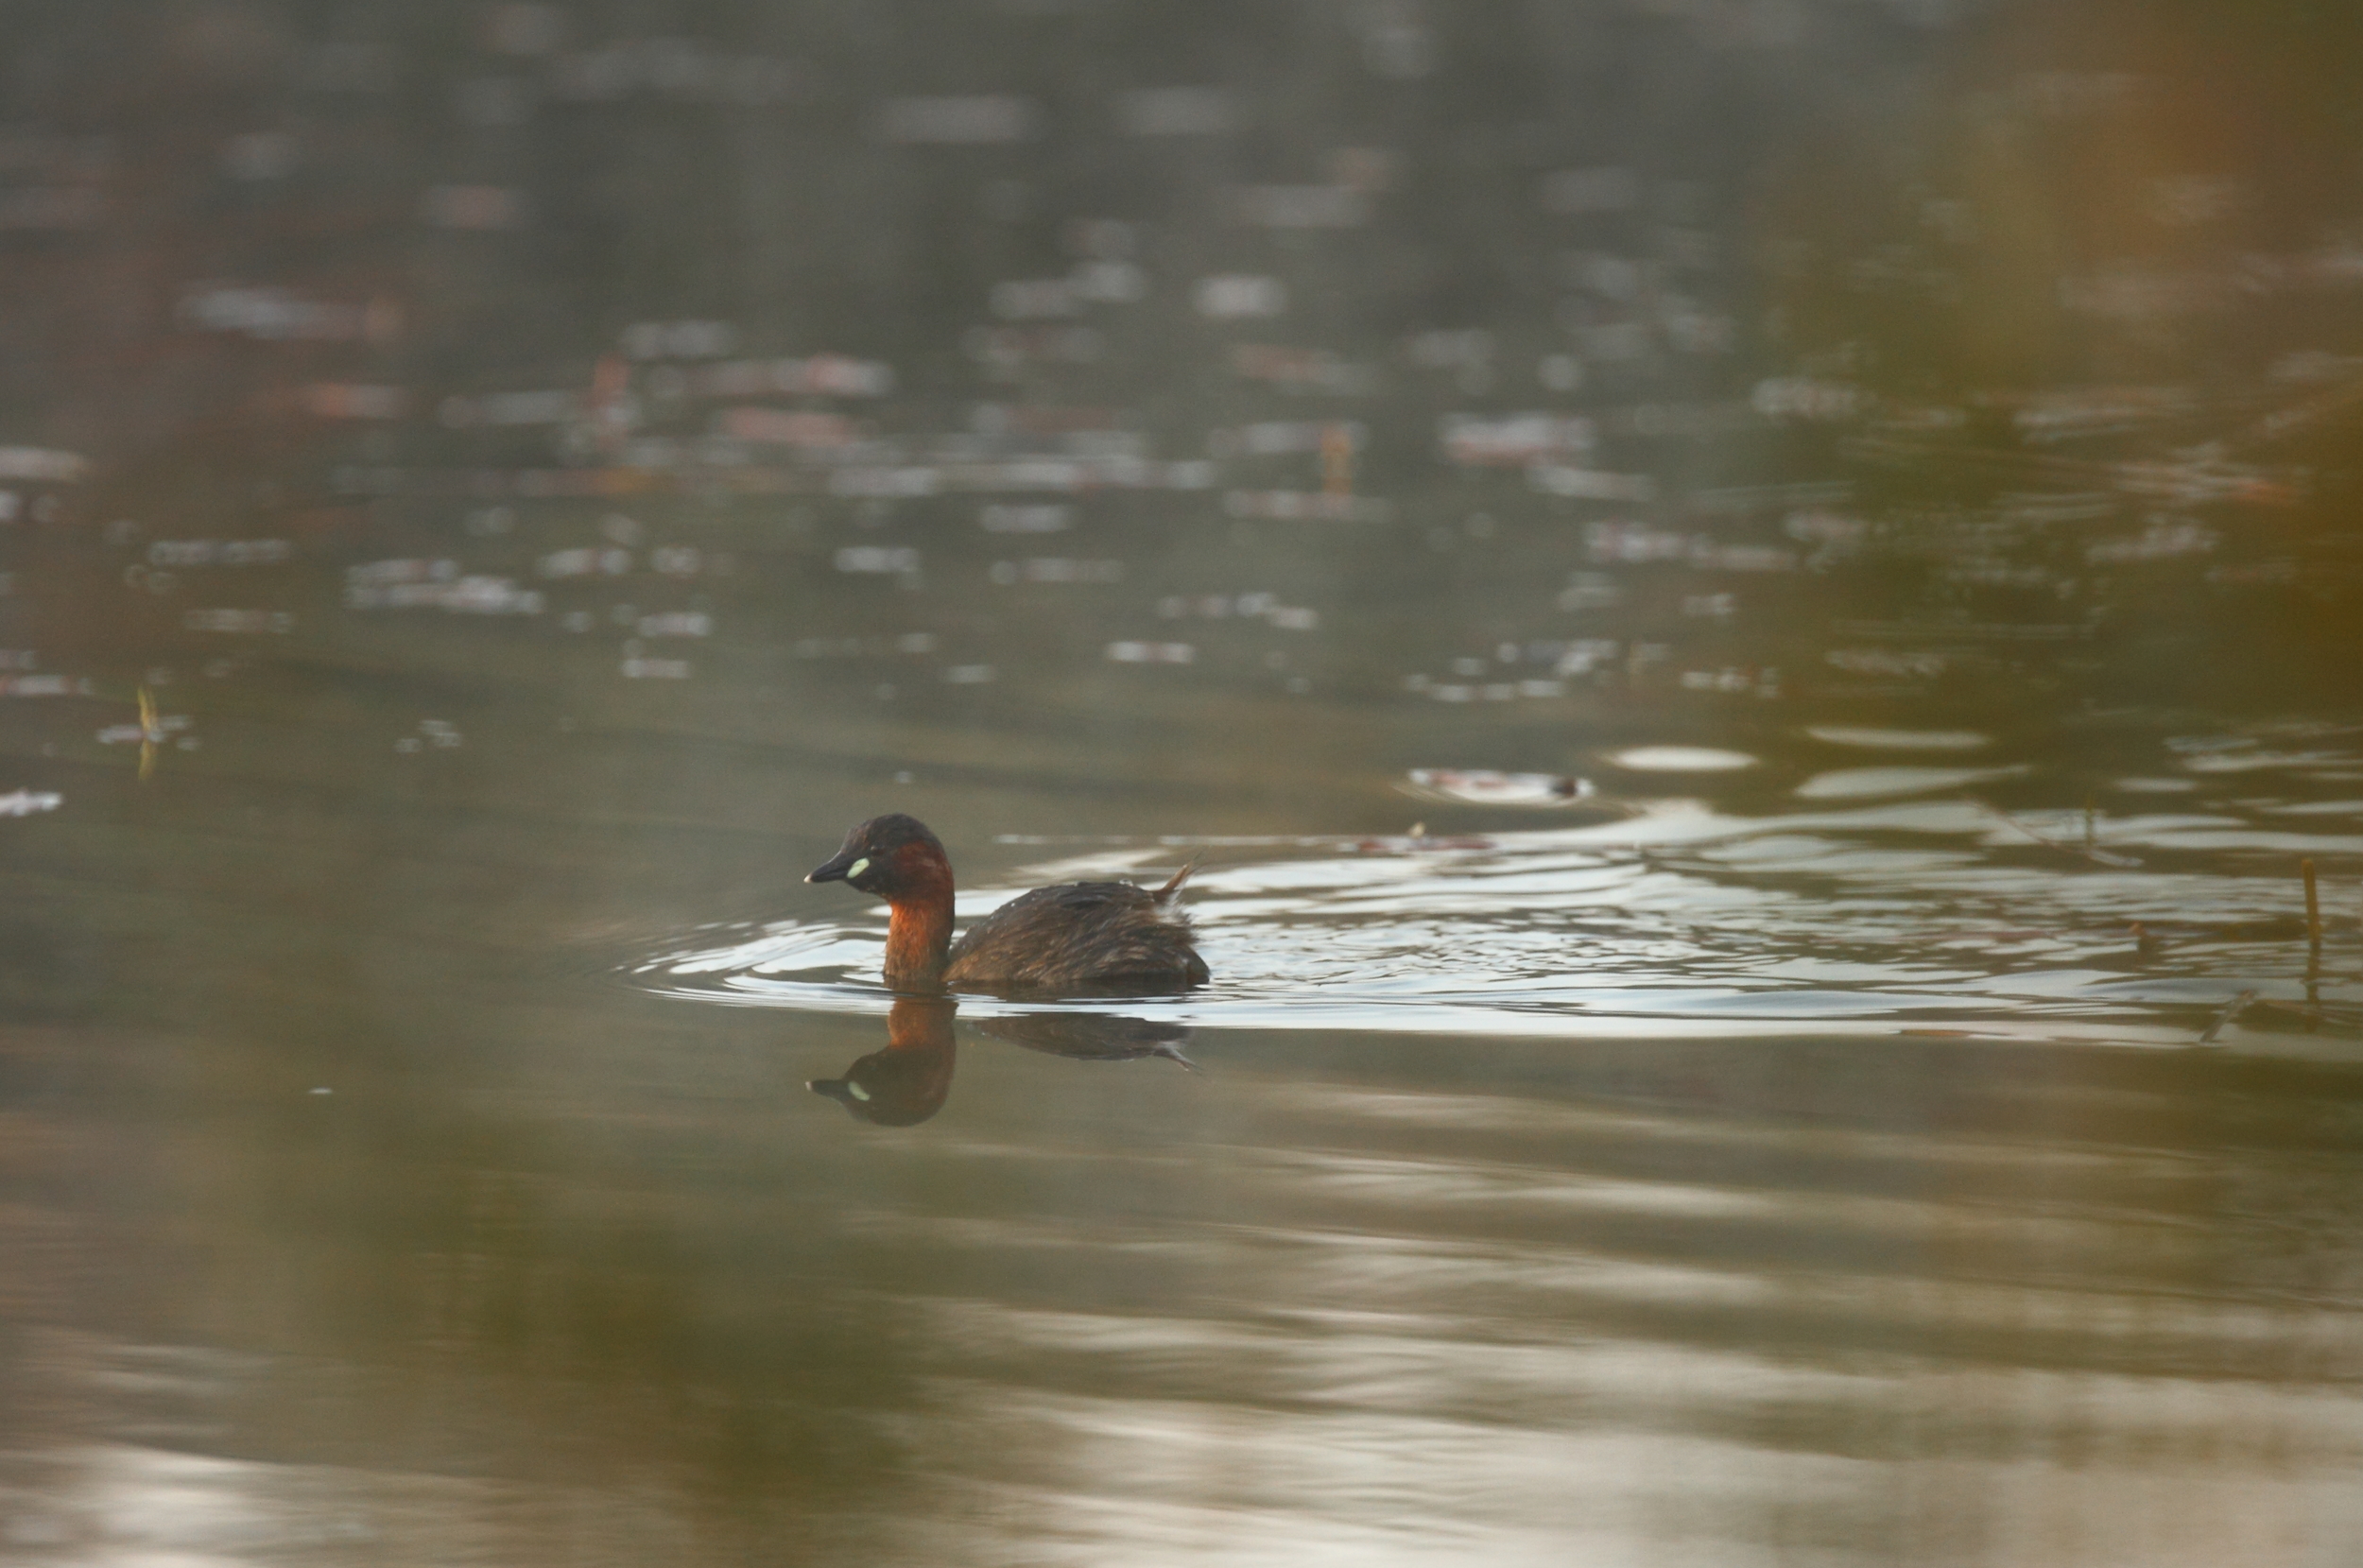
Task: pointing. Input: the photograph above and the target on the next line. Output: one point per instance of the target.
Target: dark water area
(1749, 609)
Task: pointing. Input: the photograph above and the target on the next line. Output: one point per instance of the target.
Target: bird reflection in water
(908, 1080)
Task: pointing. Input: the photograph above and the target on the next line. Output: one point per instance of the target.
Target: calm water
(1750, 613)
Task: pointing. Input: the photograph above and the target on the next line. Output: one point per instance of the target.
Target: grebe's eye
(856, 868)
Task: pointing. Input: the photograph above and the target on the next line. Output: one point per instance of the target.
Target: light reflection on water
(1449, 1301)
(1878, 918)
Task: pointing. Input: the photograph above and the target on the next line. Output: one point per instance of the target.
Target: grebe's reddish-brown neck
(919, 926)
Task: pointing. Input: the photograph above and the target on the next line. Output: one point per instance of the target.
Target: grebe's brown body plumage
(1072, 937)
(1079, 934)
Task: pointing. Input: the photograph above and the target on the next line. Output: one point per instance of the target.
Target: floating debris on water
(2087, 850)
(2228, 1014)
(1481, 787)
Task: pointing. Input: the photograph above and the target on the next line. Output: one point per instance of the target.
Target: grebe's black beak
(835, 869)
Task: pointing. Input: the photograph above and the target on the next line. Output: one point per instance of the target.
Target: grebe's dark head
(893, 857)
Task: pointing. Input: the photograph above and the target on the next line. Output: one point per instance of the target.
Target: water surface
(1747, 612)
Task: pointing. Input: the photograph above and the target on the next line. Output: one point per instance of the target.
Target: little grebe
(1077, 936)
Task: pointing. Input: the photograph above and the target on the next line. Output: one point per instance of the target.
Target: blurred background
(1751, 609)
